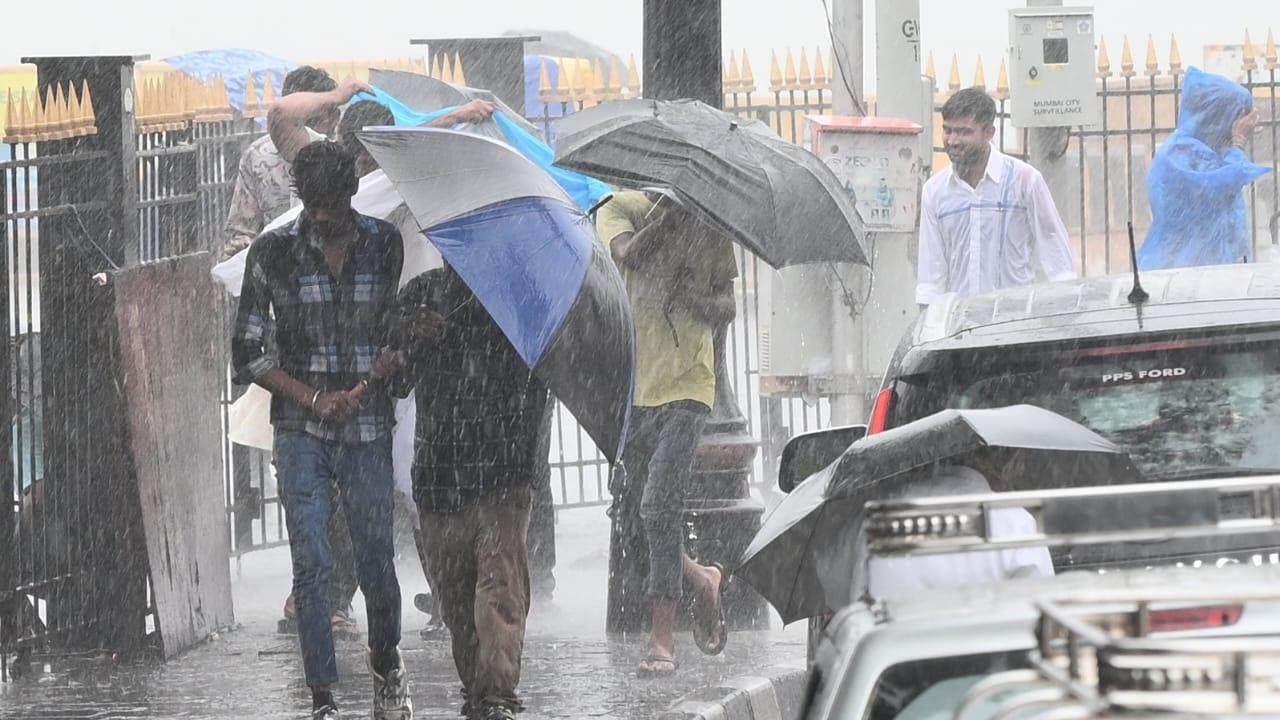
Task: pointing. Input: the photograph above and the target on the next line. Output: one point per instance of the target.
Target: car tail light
(880, 411)
(1196, 618)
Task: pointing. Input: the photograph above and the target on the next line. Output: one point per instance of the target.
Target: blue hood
(1210, 106)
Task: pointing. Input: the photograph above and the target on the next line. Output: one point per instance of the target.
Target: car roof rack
(1141, 512)
(1101, 660)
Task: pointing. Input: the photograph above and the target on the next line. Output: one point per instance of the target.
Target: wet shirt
(483, 418)
(328, 330)
(976, 240)
(263, 192)
(675, 358)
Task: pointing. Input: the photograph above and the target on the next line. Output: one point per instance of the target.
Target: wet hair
(306, 78)
(324, 175)
(971, 102)
(359, 115)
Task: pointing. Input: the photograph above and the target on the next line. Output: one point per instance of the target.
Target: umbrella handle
(599, 204)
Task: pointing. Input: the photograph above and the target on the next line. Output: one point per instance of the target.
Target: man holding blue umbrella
(529, 304)
(482, 433)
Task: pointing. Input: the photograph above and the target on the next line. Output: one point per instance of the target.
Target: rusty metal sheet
(171, 373)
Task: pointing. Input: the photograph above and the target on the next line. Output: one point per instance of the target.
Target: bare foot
(708, 614)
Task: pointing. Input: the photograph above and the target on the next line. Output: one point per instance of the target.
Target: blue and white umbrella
(531, 257)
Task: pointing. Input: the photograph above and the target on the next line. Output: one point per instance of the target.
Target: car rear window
(1180, 411)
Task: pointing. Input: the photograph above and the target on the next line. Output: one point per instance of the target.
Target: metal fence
(59, 526)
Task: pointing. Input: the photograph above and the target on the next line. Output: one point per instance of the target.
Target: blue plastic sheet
(585, 191)
(525, 259)
(1197, 178)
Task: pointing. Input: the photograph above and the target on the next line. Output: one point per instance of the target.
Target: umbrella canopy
(809, 554)
(425, 94)
(531, 257)
(773, 197)
(585, 191)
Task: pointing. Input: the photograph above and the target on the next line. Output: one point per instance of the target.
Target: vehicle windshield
(933, 688)
(1179, 411)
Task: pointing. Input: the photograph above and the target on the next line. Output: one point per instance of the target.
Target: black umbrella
(773, 197)
(808, 556)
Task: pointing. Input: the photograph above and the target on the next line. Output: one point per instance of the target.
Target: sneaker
(391, 694)
(328, 712)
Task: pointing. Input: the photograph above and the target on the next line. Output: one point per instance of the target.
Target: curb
(774, 696)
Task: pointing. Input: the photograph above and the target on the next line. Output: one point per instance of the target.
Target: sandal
(705, 625)
(643, 671)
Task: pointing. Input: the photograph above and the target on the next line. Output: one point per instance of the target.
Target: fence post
(87, 460)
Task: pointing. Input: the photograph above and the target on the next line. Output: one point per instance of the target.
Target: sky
(333, 29)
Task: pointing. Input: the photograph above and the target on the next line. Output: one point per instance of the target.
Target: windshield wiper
(1213, 471)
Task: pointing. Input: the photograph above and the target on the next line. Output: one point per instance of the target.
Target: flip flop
(702, 630)
(642, 671)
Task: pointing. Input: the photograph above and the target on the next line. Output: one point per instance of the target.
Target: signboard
(1052, 67)
(877, 160)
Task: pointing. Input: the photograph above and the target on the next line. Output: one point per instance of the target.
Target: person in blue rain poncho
(1196, 179)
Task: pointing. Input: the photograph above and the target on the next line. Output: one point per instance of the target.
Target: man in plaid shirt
(483, 428)
(329, 281)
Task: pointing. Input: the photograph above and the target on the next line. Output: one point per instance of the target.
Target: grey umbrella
(774, 197)
(808, 555)
(425, 94)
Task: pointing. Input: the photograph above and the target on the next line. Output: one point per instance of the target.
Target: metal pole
(1047, 151)
(847, 336)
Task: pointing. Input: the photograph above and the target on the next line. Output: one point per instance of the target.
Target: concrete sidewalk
(571, 669)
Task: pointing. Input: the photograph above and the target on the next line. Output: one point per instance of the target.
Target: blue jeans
(305, 467)
(659, 458)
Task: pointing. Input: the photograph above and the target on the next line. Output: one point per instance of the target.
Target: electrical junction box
(878, 162)
(1052, 67)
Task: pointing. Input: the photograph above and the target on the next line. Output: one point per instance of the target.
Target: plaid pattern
(328, 331)
(483, 417)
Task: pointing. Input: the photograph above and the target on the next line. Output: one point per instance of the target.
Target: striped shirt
(328, 330)
(976, 240)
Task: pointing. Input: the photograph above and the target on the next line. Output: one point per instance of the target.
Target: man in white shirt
(894, 577)
(985, 217)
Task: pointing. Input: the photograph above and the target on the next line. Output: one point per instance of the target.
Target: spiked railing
(59, 116)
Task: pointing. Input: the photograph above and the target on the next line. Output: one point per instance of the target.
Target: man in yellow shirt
(679, 275)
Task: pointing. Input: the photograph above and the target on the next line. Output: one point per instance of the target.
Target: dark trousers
(657, 464)
(542, 536)
(479, 566)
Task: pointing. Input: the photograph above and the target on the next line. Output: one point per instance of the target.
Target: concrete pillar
(1047, 149)
(87, 463)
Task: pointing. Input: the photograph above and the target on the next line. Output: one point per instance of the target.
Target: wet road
(571, 669)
